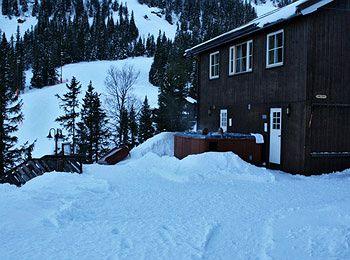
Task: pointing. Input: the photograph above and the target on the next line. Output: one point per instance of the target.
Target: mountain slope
(41, 107)
(149, 25)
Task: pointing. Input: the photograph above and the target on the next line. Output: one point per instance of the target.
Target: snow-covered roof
(298, 8)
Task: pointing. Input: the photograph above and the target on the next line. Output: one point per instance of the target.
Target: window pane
(280, 55)
(271, 58)
(271, 42)
(244, 50)
(238, 65)
(279, 39)
(244, 64)
(238, 51)
(231, 60)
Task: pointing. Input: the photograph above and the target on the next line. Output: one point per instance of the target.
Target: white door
(275, 135)
(223, 119)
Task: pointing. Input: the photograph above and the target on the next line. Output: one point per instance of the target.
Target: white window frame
(233, 58)
(211, 66)
(275, 64)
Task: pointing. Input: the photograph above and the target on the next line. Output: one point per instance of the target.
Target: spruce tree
(10, 114)
(92, 133)
(69, 102)
(146, 129)
(24, 5)
(15, 9)
(5, 7)
(133, 31)
(133, 127)
(35, 9)
(20, 66)
(123, 127)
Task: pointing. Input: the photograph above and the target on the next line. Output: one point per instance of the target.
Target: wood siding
(312, 66)
(328, 131)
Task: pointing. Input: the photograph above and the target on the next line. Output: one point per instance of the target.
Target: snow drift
(154, 206)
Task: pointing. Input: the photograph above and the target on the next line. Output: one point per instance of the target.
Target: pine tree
(35, 9)
(123, 127)
(161, 57)
(10, 114)
(20, 66)
(139, 48)
(14, 8)
(5, 7)
(133, 31)
(150, 46)
(133, 127)
(146, 129)
(24, 5)
(92, 134)
(70, 104)
(37, 78)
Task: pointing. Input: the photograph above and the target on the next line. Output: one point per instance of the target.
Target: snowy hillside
(208, 206)
(146, 18)
(41, 107)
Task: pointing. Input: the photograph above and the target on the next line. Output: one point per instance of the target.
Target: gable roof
(298, 8)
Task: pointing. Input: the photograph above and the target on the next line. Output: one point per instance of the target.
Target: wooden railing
(48, 163)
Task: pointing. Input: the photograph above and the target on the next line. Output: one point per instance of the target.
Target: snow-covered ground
(41, 106)
(153, 206)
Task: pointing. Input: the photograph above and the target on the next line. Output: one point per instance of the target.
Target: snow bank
(161, 144)
(154, 206)
(150, 157)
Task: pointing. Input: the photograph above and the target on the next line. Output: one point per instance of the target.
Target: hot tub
(244, 145)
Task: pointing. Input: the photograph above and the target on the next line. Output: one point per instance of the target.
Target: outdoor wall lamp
(288, 110)
(57, 134)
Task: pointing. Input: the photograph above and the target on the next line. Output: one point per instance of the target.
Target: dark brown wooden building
(285, 75)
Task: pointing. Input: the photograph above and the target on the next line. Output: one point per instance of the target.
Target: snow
(152, 25)
(41, 107)
(154, 206)
(161, 144)
(191, 100)
(9, 26)
(262, 9)
(259, 139)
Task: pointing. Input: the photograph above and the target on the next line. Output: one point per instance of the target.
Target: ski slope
(151, 25)
(41, 106)
(153, 206)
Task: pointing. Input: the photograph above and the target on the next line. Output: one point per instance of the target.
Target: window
(274, 49)
(214, 65)
(241, 58)
(276, 120)
(223, 119)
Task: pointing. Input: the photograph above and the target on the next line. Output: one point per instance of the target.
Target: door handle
(279, 135)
